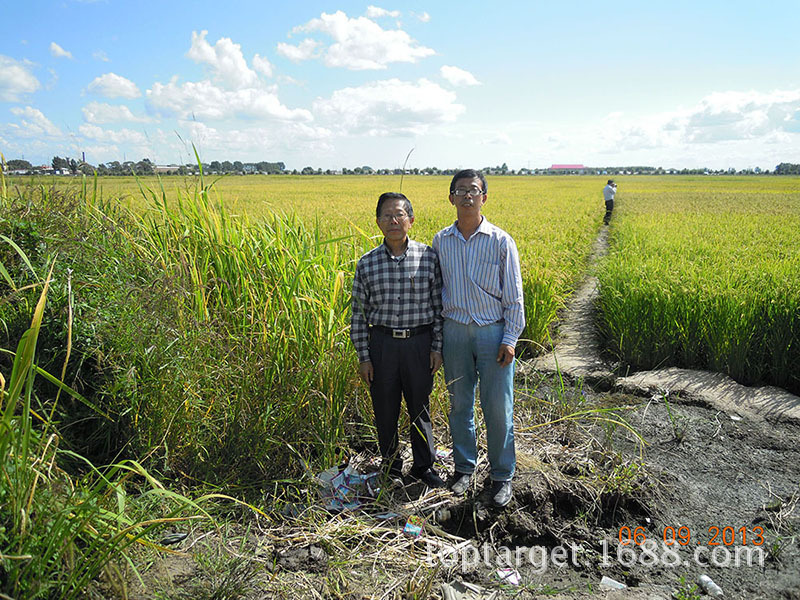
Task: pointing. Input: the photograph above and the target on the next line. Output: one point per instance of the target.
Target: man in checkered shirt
(396, 329)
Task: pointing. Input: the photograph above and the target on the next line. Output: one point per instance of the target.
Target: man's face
(473, 197)
(394, 221)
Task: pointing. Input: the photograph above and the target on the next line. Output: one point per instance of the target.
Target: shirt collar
(389, 251)
(484, 227)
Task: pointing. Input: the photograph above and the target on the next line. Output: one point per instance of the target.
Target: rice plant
(707, 279)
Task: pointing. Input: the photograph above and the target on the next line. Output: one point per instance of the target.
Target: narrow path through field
(577, 355)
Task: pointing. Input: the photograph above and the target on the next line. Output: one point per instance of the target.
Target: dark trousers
(609, 210)
(402, 368)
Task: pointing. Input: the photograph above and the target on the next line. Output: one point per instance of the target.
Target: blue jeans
(470, 355)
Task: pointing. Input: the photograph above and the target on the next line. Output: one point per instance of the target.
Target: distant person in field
(608, 194)
(396, 328)
(484, 316)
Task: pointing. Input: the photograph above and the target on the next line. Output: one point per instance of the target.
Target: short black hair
(610, 181)
(469, 174)
(386, 196)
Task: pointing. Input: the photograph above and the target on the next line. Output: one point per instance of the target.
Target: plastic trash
(414, 526)
(612, 583)
(709, 587)
(173, 538)
(508, 576)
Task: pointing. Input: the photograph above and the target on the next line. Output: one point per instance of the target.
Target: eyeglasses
(473, 191)
(399, 217)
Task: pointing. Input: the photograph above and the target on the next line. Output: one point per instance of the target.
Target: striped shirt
(398, 292)
(482, 278)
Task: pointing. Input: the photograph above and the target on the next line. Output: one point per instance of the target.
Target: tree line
(65, 165)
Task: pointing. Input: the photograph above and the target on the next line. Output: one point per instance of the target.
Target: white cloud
(303, 51)
(458, 77)
(262, 65)
(122, 136)
(361, 43)
(112, 85)
(205, 100)
(423, 17)
(33, 123)
(101, 113)
(225, 61)
(720, 117)
(502, 139)
(260, 143)
(101, 56)
(375, 12)
(58, 51)
(389, 106)
(742, 115)
(15, 80)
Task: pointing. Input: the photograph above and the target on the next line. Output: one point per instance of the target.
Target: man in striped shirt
(483, 318)
(396, 328)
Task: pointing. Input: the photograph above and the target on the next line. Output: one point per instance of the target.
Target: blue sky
(346, 84)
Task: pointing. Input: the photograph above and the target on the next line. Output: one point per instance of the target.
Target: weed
(686, 591)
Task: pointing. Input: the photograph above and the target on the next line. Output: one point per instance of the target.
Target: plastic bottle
(709, 587)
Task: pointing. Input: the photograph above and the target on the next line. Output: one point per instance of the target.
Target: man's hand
(505, 355)
(436, 361)
(365, 371)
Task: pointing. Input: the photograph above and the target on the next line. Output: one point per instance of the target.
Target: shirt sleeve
(436, 303)
(359, 327)
(513, 303)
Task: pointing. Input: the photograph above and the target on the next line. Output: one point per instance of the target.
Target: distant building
(169, 169)
(567, 169)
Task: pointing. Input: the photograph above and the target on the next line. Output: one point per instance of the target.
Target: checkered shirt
(397, 292)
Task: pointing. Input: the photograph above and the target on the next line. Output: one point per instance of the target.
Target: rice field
(702, 271)
(705, 272)
(554, 220)
(214, 319)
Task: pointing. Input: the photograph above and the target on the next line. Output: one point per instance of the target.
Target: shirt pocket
(420, 287)
(486, 275)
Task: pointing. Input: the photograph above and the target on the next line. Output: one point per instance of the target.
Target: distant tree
(17, 164)
(215, 166)
(73, 166)
(787, 169)
(227, 166)
(60, 164)
(238, 166)
(307, 171)
(144, 167)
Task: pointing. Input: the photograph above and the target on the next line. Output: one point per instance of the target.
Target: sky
(459, 84)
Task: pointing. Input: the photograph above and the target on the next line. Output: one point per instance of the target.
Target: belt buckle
(400, 334)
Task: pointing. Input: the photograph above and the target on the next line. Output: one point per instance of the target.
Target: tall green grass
(218, 345)
(276, 295)
(59, 533)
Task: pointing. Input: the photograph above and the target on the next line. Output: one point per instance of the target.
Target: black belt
(402, 334)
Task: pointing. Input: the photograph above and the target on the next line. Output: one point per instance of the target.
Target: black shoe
(501, 493)
(429, 477)
(460, 483)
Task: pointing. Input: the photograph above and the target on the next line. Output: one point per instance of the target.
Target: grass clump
(217, 347)
(59, 533)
